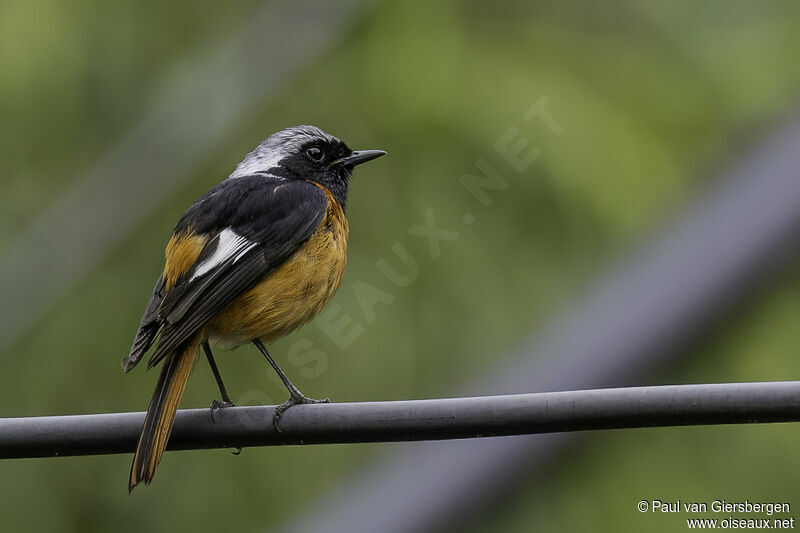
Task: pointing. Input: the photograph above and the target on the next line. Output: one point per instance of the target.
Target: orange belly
(291, 295)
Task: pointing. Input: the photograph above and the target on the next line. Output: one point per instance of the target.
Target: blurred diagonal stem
(440, 419)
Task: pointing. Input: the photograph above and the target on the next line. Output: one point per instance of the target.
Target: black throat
(337, 183)
(339, 190)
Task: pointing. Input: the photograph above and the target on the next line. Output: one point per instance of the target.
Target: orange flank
(181, 253)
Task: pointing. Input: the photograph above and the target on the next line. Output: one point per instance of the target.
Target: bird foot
(294, 399)
(216, 405)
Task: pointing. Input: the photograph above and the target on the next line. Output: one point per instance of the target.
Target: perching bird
(254, 258)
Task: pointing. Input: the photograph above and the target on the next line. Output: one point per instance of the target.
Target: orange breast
(294, 293)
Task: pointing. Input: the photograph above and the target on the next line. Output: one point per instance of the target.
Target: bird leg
(295, 396)
(226, 400)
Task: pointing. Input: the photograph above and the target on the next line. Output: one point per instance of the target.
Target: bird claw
(291, 402)
(216, 405)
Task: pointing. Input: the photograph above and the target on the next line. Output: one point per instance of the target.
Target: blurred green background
(652, 97)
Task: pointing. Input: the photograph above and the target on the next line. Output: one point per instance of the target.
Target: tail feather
(161, 413)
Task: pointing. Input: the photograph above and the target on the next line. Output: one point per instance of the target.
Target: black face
(318, 161)
(306, 153)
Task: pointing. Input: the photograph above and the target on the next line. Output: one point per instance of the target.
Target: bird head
(306, 153)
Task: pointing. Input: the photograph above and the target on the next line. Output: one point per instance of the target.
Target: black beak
(358, 157)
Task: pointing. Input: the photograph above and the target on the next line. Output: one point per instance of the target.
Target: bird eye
(315, 154)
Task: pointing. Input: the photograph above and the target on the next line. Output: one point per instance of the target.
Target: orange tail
(161, 413)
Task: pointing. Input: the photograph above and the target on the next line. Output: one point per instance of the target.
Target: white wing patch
(229, 245)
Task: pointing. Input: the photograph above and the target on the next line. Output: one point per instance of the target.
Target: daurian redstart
(254, 258)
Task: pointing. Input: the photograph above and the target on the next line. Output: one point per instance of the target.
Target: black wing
(148, 328)
(254, 224)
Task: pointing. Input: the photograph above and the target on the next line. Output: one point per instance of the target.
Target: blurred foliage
(652, 97)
